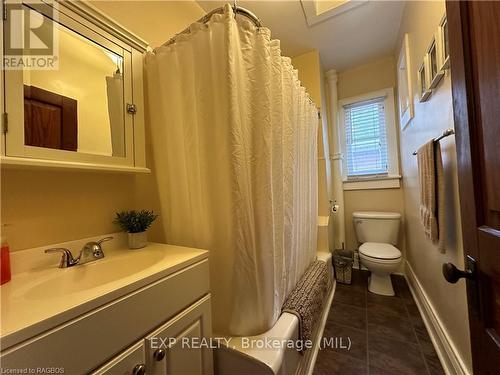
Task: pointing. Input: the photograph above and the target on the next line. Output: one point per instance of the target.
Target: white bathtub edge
(286, 327)
(237, 357)
(309, 365)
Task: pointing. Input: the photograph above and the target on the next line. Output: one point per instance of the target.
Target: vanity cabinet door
(178, 348)
(129, 362)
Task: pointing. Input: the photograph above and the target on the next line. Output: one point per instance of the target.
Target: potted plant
(135, 223)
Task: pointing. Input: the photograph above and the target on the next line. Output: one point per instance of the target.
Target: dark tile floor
(387, 334)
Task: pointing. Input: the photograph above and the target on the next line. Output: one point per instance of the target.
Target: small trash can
(342, 263)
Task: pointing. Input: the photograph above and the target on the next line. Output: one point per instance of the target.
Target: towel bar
(446, 133)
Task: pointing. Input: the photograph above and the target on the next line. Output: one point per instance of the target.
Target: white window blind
(366, 138)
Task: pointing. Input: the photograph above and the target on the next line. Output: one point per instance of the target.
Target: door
(50, 119)
(177, 348)
(474, 34)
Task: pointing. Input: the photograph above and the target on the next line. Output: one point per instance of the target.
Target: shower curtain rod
(237, 10)
(206, 18)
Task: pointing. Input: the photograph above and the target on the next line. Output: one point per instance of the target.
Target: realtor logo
(31, 38)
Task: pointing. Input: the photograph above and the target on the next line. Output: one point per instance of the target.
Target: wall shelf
(31, 163)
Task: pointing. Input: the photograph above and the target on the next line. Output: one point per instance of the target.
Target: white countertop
(38, 299)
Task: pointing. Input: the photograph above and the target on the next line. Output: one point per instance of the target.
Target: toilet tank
(373, 226)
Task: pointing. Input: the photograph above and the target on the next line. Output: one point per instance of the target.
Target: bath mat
(307, 299)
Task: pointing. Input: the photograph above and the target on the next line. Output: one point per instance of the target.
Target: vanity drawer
(130, 362)
(82, 344)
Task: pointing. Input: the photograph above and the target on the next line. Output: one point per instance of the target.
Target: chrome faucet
(90, 252)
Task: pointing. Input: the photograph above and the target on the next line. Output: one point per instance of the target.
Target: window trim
(392, 142)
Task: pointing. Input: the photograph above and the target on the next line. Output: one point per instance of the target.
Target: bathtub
(239, 357)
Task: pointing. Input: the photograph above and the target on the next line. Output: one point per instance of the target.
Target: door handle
(452, 274)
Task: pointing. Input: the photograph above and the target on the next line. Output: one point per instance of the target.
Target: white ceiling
(363, 34)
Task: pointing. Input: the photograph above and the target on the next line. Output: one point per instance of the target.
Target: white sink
(78, 279)
(41, 295)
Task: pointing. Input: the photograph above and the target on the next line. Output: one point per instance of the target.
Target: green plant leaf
(135, 221)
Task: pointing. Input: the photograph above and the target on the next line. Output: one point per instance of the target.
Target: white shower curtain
(114, 91)
(234, 146)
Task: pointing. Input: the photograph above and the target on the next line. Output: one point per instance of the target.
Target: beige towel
(430, 171)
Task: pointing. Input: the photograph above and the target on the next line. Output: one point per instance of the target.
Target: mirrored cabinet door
(79, 107)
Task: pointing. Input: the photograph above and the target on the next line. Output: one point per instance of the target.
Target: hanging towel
(430, 171)
(307, 299)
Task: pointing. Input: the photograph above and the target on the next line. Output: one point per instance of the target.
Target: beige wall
(309, 67)
(45, 207)
(420, 20)
(363, 79)
(310, 73)
(154, 21)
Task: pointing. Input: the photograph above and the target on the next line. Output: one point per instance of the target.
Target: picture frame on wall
(443, 44)
(435, 73)
(423, 79)
(405, 101)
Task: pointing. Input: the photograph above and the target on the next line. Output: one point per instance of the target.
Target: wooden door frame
(467, 143)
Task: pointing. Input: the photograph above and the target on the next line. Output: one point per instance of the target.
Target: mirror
(78, 107)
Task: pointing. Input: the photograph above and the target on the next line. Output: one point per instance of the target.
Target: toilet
(378, 232)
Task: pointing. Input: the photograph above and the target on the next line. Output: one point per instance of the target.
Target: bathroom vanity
(132, 311)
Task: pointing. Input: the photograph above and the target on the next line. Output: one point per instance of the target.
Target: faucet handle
(104, 240)
(97, 249)
(67, 259)
(92, 250)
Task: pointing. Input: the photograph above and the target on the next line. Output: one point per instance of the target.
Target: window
(366, 138)
(369, 141)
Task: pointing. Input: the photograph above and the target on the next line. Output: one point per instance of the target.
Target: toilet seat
(380, 251)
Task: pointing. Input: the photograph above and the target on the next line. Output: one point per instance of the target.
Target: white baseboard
(448, 354)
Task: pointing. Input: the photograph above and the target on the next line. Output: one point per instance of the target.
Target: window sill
(388, 182)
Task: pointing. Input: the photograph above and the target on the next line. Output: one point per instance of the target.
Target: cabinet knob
(131, 108)
(159, 354)
(139, 369)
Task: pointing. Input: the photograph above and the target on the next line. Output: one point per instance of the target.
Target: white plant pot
(137, 240)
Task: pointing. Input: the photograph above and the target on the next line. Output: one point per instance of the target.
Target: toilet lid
(379, 250)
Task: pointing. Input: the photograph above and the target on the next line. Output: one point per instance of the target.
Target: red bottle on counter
(5, 262)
